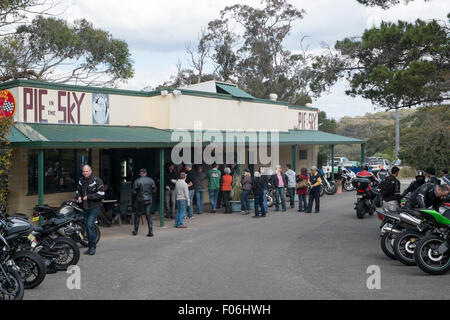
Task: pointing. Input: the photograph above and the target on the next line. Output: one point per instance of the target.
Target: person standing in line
(246, 182)
(258, 186)
(90, 192)
(291, 182)
(214, 176)
(279, 181)
(302, 190)
(314, 193)
(265, 179)
(227, 179)
(198, 179)
(169, 191)
(182, 192)
(189, 173)
(143, 187)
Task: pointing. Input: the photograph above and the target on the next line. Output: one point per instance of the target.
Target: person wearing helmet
(420, 180)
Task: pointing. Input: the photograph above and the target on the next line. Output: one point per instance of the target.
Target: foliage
(394, 65)
(385, 4)
(245, 46)
(51, 49)
(5, 159)
(426, 142)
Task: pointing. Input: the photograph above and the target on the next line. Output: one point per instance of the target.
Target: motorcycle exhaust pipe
(410, 220)
(391, 230)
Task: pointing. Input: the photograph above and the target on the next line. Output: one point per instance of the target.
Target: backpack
(387, 187)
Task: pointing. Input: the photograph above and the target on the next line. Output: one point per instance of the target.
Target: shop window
(62, 169)
(303, 154)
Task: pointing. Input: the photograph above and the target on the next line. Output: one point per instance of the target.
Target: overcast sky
(157, 33)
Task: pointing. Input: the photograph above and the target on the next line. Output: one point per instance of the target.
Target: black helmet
(420, 173)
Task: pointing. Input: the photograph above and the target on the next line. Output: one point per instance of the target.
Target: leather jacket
(424, 197)
(144, 187)
(93, 189)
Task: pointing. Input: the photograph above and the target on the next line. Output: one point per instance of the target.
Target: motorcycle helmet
(420, 176)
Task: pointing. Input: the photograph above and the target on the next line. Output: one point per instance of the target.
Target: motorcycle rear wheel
(387, 245)
(427, 259)
(360, 209)
(404, 245)
(85, 242)
(69, 253)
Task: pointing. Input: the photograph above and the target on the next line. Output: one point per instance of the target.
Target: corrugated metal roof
(31, 135)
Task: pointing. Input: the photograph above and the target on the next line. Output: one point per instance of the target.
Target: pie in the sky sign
(7, 104)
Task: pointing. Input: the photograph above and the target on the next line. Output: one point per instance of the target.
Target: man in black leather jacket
(143, 187)
(431, 174)
(90, 192)
(420, 180)
(428, 195)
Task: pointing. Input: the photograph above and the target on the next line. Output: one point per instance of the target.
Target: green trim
(234, 91)
(195, 93)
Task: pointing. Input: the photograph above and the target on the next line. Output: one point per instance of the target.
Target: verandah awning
(31, 135)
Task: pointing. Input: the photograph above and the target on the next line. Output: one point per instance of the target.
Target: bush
(406, 172)
(236, 188)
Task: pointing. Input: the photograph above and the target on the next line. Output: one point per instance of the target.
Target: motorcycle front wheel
(12, 289)
(427, 257)
(348, 186)
(322, 190)
(32, 268)
(330, 190)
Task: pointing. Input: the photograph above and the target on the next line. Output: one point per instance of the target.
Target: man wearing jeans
(214, 185)
(279, 181)
(190, 184)
(198, 179)
(182, 191)
(291, 182)
(90, 192)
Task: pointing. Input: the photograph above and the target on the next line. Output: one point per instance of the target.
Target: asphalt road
(287, 255)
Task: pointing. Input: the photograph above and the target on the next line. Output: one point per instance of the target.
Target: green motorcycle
(432, 252)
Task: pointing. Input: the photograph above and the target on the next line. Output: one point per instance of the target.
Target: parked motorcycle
(11, 283)
(432, 252)
(365, 198)
(76, 229)
(347, 178)
(32, 267)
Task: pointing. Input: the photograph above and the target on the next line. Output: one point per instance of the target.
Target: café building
(58, 128)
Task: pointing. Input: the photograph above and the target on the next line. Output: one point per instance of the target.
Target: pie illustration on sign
(100, 108)
(7, 104)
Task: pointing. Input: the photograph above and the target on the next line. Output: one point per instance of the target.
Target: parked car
(376, 165)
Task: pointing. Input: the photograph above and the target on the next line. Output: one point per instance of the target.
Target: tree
(395, 65)
(426, 141)
(50, 49)
(247, 48)
(325, 125)
(385, 4)
(5, 159)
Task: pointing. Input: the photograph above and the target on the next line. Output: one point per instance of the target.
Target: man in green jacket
(214, 185)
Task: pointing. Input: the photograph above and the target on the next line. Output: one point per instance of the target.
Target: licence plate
(35, 219)
(31, 237)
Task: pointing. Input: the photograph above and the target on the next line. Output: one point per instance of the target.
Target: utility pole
(397, 133)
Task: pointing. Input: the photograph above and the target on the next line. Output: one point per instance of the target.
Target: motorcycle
(76, 229)
(11, 283)
(32, 267)
(347, 178)
(328, 187)
(432, 252)
(365, 198)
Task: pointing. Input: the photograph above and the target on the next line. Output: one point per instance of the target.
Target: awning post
(41, 177)
(294, 157)
(161, 187)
